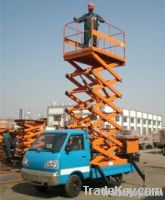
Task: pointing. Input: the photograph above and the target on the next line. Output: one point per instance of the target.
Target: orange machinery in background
(21, 138)
(94, 77)
(26, 134)
(2, 131)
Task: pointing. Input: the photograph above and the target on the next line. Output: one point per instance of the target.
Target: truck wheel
(73, 186)
(118, 179)
(40, 188)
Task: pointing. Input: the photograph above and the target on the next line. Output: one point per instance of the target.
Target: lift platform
(94, 76)
(110, 48)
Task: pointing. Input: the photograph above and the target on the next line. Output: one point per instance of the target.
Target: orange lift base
(93, 92)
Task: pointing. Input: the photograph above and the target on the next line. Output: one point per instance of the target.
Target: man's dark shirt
(87, 20)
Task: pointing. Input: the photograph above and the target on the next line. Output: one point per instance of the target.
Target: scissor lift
(94, 76)
(26, 134)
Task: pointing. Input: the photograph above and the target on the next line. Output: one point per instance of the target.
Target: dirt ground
(152, 162)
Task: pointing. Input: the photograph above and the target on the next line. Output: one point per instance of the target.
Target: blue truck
(62, 157)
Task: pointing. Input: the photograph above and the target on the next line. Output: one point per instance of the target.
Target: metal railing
(108, 38)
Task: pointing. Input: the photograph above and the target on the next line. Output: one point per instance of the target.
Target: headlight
(25, 161)
(51, 164)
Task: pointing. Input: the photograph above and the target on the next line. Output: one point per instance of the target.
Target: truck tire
(119, 179)
(73, 186)
(40, 188)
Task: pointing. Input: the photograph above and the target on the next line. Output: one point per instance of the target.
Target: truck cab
(56, 158)
(62, 157)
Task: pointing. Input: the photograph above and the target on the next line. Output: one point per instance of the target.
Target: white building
(141, 122)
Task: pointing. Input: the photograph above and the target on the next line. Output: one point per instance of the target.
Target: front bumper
(40, 177)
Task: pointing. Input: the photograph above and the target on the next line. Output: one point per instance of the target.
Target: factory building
(138, 121)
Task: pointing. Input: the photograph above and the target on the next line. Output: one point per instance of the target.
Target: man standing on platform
(87, 19)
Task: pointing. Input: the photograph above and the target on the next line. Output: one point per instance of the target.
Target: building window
(132, 120)
(117, 119)
(144, 130)
(139, 129)
(132, 128)
(57, 118)
(138, 121)
(149, 122)
(159, 123)
(144, 121)
(154, 122)
(124, 119)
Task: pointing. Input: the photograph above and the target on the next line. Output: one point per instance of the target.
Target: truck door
(76, 156)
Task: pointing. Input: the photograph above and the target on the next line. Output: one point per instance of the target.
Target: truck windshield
(49, 142)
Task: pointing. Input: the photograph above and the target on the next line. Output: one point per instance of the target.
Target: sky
(32, 69)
